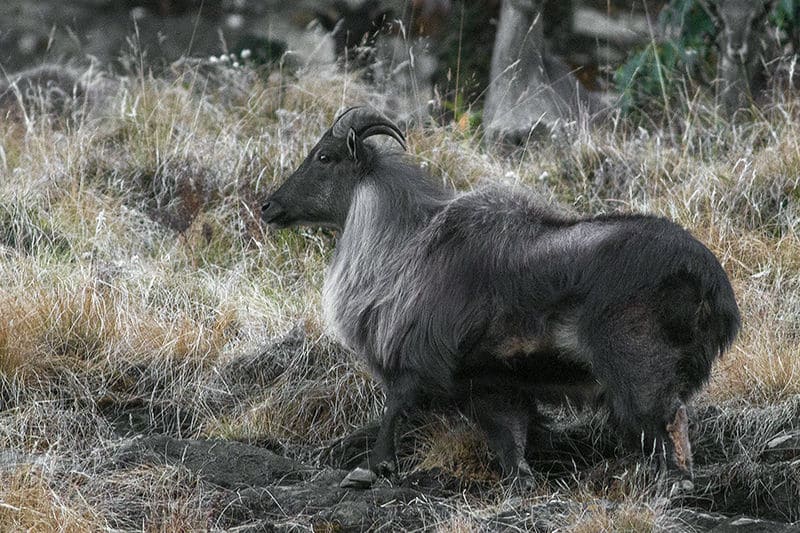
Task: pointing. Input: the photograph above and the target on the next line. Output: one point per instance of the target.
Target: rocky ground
(745, 480)
(257, 489)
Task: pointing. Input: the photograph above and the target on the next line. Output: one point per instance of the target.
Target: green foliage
(690, 19)
(659, 71)
(466, 55)
(786, 15)
(656, 72)
(466, 120)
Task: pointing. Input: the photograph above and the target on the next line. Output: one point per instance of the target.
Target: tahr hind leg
(643, 386)
(504, 418)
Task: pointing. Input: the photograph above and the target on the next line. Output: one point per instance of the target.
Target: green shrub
(664, 70)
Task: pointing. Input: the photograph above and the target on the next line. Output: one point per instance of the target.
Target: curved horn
(366, 122)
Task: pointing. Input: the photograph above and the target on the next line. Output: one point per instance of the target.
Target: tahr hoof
(521, 478)
(525, 481)
(359, 478)
(524, 484)
(682, 487)
(386, 469)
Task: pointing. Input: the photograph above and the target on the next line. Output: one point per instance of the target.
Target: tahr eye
(323, 158)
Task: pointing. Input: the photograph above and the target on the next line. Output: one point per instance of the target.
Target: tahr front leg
(401, 395)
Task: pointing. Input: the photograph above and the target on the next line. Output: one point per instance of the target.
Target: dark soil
(743, 481)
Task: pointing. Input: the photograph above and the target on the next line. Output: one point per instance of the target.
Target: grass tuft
(29, 503)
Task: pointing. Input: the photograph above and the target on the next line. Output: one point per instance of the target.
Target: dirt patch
(261, 489)
(745, 477)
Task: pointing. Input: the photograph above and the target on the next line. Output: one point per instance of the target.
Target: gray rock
(782, 448)
(692, 520)
(227, 464)
(769, 491)
(266, 491)
(324, 504)
(249, 373)
(743, 524)
(263, 491)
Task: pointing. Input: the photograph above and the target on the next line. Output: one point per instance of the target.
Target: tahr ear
(352, 143)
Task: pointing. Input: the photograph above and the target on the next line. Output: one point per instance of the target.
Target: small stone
(359, 478)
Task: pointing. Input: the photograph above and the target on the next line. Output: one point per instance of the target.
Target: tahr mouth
(278, 221)
(277, 225)
(274, 215)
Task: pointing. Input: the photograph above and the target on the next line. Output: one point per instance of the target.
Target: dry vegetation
(134, 271)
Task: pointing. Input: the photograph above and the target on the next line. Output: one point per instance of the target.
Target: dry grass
(623, 519)
(459, 524)
(453, 446)
(135, 272)
(305, 406)
(29, 503)
(161, 498)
